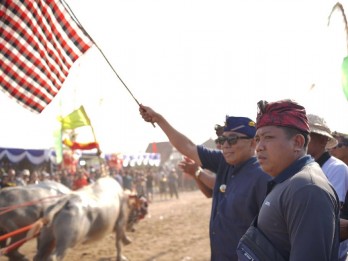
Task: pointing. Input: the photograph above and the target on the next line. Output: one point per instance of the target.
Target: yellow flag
(77, 118)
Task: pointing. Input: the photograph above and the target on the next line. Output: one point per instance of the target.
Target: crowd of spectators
(148, 182)
(22, 177)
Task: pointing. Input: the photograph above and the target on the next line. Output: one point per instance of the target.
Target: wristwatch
(198, 172)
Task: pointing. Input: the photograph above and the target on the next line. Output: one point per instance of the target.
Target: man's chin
(230, 160)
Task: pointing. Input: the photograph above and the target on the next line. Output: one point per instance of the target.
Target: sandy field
(174, 230)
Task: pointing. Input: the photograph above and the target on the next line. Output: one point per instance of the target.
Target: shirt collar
(290, 171)
(323, 158)
(238, 167)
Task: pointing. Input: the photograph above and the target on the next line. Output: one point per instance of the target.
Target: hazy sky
(195, 62)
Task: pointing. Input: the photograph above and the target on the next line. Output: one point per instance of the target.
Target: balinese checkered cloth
(39, 42)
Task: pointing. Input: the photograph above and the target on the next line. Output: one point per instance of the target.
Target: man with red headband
(299, 219)
(240, 185)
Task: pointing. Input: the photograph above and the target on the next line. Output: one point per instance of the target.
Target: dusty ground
(174, 230)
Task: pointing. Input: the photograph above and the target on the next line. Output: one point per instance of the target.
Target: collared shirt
(300, 215)
(336, 172)
(234, 209)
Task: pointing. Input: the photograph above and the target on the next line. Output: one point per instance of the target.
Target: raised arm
(182, 143)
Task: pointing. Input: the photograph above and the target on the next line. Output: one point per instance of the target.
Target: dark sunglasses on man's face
(231, 140)
(341, 144)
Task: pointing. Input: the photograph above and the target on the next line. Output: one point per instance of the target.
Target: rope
(16, 232)
(4, 251)
(29, 203)
(34, 231)
(33, 234)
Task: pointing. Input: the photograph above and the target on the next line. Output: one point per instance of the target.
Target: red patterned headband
(284, 113)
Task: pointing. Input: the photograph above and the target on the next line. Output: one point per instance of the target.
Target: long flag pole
(339, 6)
(102, 53)
(344, 67)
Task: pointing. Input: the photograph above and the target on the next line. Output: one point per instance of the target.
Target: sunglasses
(231, 140)
(341, 144)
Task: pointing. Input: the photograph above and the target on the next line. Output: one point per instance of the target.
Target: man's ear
(324, 140)
(299, 142)
(253, 143)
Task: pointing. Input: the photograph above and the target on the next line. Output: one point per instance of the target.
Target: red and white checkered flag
(39, 42)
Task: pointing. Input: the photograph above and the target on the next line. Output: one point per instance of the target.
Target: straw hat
(319, 126)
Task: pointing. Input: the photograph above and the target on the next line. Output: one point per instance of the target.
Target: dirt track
(174, 230)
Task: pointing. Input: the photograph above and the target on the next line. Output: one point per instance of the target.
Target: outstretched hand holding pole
(148, 114)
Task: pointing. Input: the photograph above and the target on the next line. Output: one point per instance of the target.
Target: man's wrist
(198, 172)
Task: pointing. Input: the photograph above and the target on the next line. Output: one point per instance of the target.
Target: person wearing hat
(240, 185)
(335, 170)
(340, 151)
(300, 214)
(321, 141)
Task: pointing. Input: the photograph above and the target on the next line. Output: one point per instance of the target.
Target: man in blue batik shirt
(240, 186)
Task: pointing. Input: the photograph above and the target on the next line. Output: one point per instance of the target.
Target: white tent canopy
(34, 156)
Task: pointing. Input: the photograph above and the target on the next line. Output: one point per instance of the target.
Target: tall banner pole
(344, 67)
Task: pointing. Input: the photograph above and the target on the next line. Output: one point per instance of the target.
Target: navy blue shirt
(233, 210)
